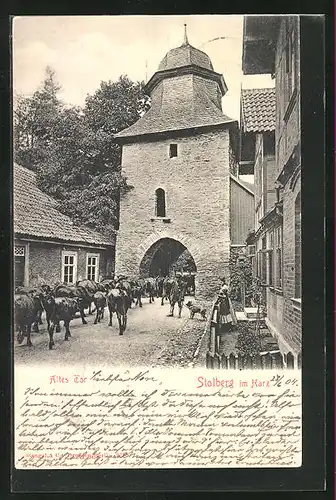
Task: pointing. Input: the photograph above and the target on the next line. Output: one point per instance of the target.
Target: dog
(194, 309)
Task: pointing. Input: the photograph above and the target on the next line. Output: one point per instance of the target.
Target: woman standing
(227, 315)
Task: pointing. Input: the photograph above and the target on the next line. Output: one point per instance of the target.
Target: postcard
(157, 242)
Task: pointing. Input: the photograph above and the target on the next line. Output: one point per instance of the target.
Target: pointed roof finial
(185, 41)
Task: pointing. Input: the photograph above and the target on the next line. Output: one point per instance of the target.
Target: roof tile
(36, 214)
(258, 110)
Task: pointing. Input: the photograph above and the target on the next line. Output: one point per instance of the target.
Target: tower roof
(189, 102)
(185, 55)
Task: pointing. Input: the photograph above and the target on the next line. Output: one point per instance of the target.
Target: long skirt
(227, 315)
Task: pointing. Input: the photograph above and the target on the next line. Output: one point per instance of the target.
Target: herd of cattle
(62, 302)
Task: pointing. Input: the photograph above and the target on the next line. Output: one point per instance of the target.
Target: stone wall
(197, 188)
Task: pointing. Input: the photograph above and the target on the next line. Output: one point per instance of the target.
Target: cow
(118, 302)
(91, 287)
(39, 292)
(61, 309)
(26, 307)
(79, 292)
(150, 288)
(159, 285)
(137, 290)
(176, 295)
(123, 284)
(107, 284)
(99, 300)
(166, 286)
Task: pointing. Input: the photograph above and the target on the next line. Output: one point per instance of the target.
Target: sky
(85, 50)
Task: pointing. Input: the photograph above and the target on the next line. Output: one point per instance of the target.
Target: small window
(69, 267)
(92, 266)
(173, 150)
(160, 203)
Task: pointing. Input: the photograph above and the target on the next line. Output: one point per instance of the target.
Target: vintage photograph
(157, 241)
(157, 206)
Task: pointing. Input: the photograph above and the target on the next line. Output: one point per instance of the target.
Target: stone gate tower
(178, 157)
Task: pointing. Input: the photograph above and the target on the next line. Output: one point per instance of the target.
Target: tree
(73, 150)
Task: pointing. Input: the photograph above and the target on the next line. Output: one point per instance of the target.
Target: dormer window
(160, 203)
(172, 150)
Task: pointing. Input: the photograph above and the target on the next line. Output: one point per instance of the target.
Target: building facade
(48, 248)
(271, 45)
(181, 158)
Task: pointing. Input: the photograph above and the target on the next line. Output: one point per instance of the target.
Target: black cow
(26, 307)
(118, 302)
(38, 292)
(99, 300)
(79, 292)
(61, 309)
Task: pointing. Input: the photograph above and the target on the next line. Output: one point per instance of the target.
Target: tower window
(160, 203)
(172, 150)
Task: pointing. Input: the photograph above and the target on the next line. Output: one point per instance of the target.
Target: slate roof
(197, 110)
(183, 56)
(169, 112)
(258, 110)
(36, 214)
(171, 119)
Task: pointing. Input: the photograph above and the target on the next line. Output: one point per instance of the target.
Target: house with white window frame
(48, 247)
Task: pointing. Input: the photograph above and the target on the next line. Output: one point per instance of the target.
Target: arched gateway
(165, 257)
(178, 158)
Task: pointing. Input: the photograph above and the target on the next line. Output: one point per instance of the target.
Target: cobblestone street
(151, 339)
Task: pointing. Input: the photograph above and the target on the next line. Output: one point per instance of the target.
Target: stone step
(251, 312)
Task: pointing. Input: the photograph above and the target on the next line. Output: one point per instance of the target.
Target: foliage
(73, 151)
(185, 262)
(240, 274)
(247, 343)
